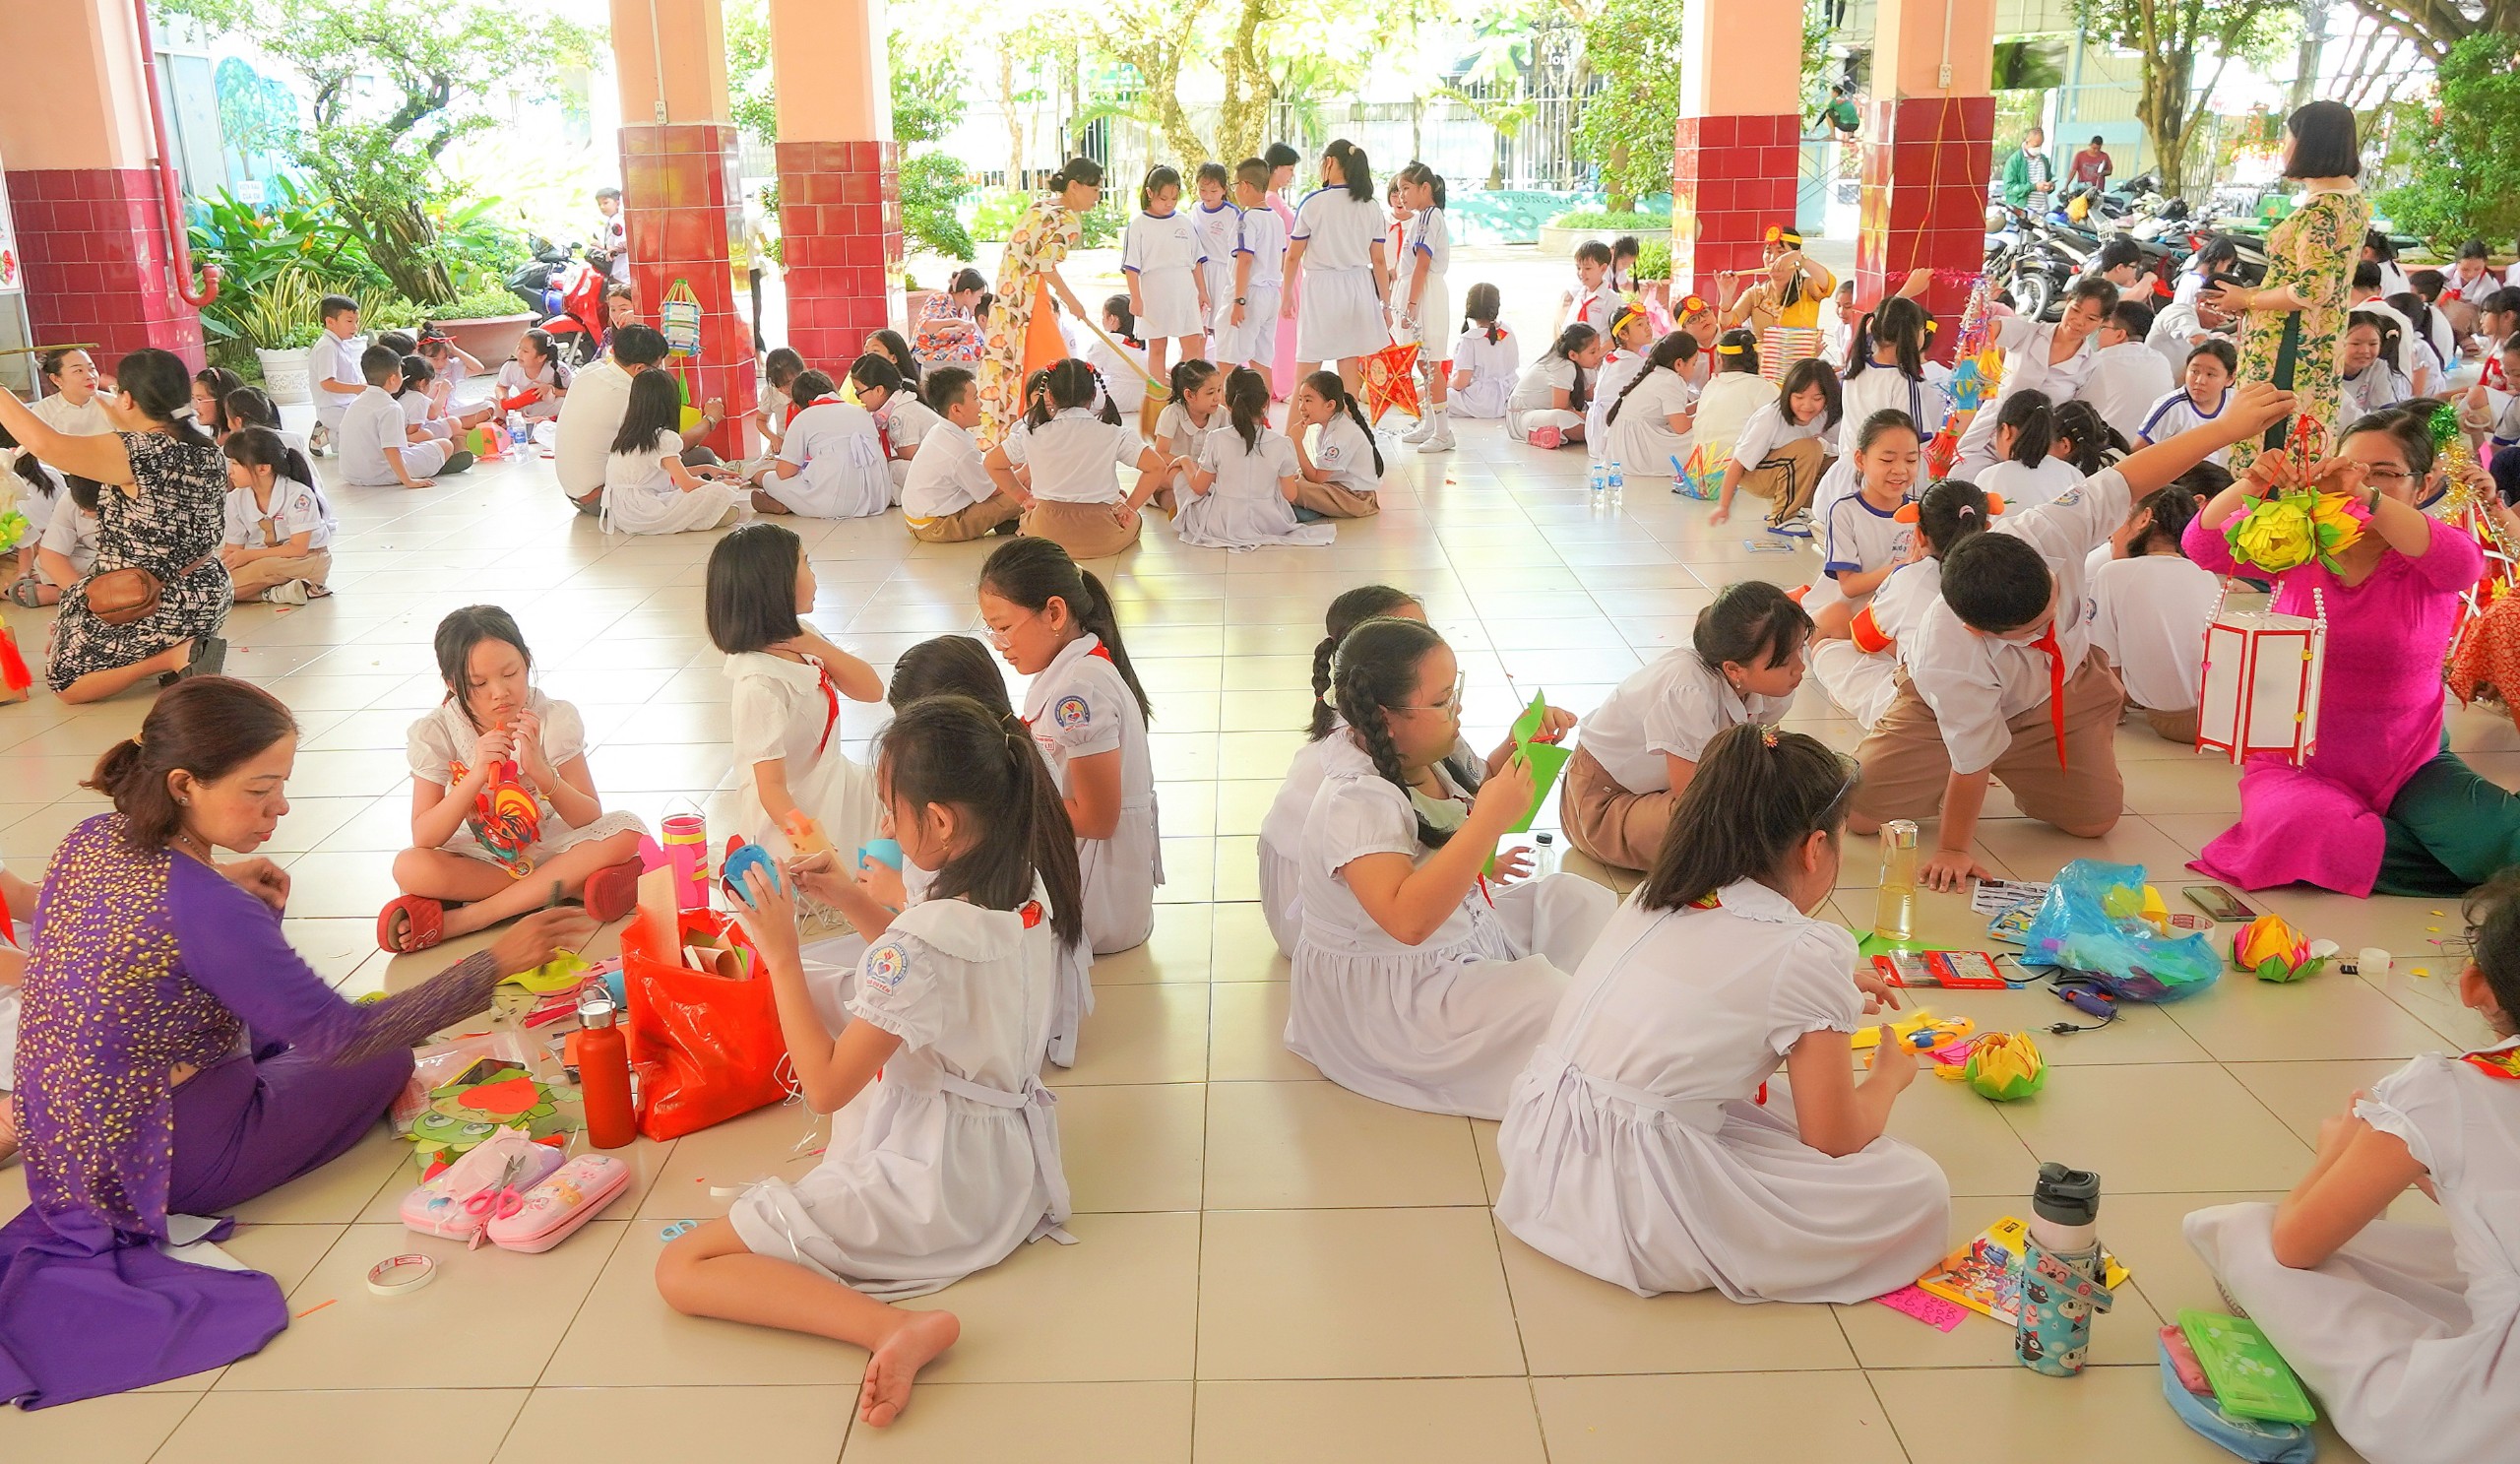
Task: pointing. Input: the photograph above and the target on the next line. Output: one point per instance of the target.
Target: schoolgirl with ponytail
(957, 1165)
(1342, 468)
(1123, 389)
(1054, 623)
(1194, 413)
(1069, 451)
(2150, 604)
(1410, 986)
(41, 494)
(2085, 438)
(1167, 269)
(1630, 337)
(2028, 473)
(1855, 648)
(280, 529)
(1546, 409)
(1648, 427)
(1488, 358)
(1338, 249)
(1886, 371)
(831, 462)
(1242, 493)
(1713, 972)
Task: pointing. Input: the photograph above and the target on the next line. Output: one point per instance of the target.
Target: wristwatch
(1239, 301)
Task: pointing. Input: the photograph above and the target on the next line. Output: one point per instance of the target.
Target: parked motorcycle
(565, 293)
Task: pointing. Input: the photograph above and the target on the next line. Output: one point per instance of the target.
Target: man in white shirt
(377, 441)
(590, 417)
(2128, 376)
(2180, 328)
(332, 369)
(949, 498)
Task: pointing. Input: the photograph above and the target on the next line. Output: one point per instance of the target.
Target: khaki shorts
(1788, 479)
(252, 579)
(2173, 727)
(1906, 765)
(1336, 500)
(1087, 530)
(1621, 829)
(969, 524)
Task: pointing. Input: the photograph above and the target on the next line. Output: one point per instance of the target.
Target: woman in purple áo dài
(141, 1098)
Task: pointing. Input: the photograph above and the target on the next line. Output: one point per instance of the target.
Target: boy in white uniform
(333, 371)
(1247, 332)
(948, 497)
(376, 445)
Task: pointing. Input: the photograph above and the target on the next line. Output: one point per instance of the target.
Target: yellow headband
(1728, 350)
(1780, 234)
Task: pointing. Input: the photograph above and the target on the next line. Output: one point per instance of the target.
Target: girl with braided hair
(1282, 832)
(1417, 981)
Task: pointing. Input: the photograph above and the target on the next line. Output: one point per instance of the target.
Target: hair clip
(1767, 735)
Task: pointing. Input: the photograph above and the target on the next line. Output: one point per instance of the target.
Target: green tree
(1626, 127)
(393, 86)
(2467, 170)
(2165, 36)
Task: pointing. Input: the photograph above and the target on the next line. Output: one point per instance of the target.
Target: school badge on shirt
(1069, 711)
(885, 965)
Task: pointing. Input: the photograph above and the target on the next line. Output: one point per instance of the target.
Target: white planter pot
(285, 376)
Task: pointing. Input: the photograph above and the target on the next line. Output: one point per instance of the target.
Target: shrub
(1602, 220)
(1653, 258)
(480, 305)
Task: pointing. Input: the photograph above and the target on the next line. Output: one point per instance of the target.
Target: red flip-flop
(614, 891)
(423, 923)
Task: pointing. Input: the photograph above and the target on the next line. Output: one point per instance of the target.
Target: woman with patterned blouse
(2291, 323)
(1023, 335)
(176, 1058)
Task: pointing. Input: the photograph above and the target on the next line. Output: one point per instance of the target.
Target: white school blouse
(1072, 456)
(2026, 346)
(1856, 538)
(1644, 424)
(1541, 383)
(1162, 244)
(2149, 614)
(948, 475)
(1262, 235)
(513, 382)
(1675, 706)
(2123, 383)
(1176, 437)
(2176, 413)
(788, 711)
(1338, 231)
(371, 427)
(907, 421)
(1426, 235)
(1498, 360)
(840, 459)
(1219, 230)
(1976, 683)
(2025, 485)
(1245, 506)
(1617, 370)
(1767, 431)
(72, 534)
(297, 508)
(1080, 706)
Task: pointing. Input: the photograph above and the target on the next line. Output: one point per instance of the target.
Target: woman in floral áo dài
(1023, 335)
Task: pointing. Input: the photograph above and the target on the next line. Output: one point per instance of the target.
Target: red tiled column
(1926, 165)
(1733, 178)
(94, 246)
(839, 215)
(680, 198)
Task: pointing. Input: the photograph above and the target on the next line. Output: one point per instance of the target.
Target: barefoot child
(1646, 1143)
(957, 1163)
(493, 715)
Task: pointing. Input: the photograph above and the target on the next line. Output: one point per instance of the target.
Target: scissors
(497, 1201)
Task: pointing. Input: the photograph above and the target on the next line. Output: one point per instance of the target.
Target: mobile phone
(2218, 902)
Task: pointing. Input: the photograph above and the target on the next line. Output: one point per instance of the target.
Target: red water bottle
(604, 1074)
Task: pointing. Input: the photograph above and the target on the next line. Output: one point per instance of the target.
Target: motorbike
(565, 293)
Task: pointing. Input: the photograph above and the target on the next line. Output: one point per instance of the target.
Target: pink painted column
(840, 200)
(1736, 156)
(681, 181)
(1928, 153)
(83, 190)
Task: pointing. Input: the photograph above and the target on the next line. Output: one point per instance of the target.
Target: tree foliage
(2467, 170)
(393, 86)
(2165, 36)
(1626, 127)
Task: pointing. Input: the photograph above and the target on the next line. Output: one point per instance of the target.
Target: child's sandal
(410, 923)
(27, 590)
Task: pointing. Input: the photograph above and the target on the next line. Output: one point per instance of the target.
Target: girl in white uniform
(1855, 649)
(902, 421)
(956, 1160)
(492, 714)
(647, 489)
(2205, 388)
(532, 382)
(1423, 302)
(2403, 1332)
(1219, 225)
(1646, 1143)
(1194, 414)
(1413, 981)
(1342, 468)
(1866, 535)
(2150, 604)
(1889, 372)
(1487, 359)
(1242, 494)
(789, 682)
(1070, 455)
(1336, 247)
(1053, 622)
(1648, 425)
(1637, 754)
(1546, 409)
(1167, 270)
(2027, 472)
(1631, 335)
(1780, 451)
(1118, 370)
(830, 460)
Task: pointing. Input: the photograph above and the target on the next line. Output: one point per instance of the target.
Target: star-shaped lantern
(1391, 380)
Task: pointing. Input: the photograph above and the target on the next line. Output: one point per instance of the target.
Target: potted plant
(1654, 271)
(279, 321)
(485, 322)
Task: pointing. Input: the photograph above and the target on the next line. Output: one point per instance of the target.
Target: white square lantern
(2261, 682)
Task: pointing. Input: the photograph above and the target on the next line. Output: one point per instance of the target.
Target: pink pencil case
(558, 1206)
(436, 1208)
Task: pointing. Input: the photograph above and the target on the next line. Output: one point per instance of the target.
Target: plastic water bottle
(1601, 485)
(2063, 1272)
(1894, 912)
(1619, 486)
(1544, 854)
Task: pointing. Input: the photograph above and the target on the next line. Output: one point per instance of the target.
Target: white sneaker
(1425, 429)
(287, 591)
(1439, 442)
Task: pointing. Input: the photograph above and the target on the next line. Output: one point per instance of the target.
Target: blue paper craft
(739, 863)
(883, 852)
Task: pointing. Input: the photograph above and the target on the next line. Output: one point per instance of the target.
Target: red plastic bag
(706, 1048)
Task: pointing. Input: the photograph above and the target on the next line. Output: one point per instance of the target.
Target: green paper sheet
(1547, 760)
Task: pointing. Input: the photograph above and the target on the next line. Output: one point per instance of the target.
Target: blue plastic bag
(2119, 952)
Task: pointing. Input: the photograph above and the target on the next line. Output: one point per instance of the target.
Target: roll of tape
(400, 1275)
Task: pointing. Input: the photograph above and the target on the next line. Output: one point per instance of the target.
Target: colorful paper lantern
(2261, 681)
(1391, 380)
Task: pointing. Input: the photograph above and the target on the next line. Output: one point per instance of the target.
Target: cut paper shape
(1935, 1312)
(1546, 759)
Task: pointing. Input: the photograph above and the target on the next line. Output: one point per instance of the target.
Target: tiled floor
(1271, 1268)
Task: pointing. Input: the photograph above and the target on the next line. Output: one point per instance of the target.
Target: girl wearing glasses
(2380, 805)
(2403, 1332)
(1644, 1144)
(1419, 979)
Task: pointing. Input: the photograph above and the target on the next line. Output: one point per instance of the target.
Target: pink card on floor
(1935, 1312)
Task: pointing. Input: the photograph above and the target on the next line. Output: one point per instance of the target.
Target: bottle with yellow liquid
(1894, 916)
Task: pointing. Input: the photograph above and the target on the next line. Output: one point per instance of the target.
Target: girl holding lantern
(2379, 805)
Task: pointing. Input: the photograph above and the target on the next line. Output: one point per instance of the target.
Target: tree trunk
(2306, 61)
(402, 241)
(1014, 119)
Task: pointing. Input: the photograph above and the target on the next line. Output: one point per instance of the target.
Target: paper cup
(2373, 963)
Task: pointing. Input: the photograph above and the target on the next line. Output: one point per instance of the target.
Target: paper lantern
(1781, 345)
(679, 317)
(1694, 478)
(1391, 380)
(2261, 681)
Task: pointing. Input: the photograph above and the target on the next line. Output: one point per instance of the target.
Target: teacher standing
(176, 1057)
(1023, 333)
(2289, 324)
